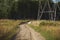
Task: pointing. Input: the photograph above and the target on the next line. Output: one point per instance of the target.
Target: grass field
(49, 29)
(8, 28)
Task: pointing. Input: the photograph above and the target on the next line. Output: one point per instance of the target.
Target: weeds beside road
(49, 29)
(8, 28)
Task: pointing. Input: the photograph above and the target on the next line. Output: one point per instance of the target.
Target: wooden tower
(51, 10)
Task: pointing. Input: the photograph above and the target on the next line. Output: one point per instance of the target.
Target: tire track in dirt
(27, 33)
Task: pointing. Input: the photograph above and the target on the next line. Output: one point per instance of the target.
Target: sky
(55, 1)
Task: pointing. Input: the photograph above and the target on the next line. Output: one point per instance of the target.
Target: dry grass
(49, 29)
(8, 28)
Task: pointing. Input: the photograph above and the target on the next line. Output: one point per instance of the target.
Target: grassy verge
(8, 28)
(49, 29)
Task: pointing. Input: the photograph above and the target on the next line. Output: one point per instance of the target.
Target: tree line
(20, 9)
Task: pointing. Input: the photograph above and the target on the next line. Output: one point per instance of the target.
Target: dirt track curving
(27, 33)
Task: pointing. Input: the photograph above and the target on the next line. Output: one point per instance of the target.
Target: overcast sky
(56, 1)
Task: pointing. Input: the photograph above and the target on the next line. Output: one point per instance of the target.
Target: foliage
(22, 9)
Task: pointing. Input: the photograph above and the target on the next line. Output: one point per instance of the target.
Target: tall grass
(49, 29)
(8, 28)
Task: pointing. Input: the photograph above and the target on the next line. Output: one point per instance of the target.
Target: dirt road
(27, 33)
